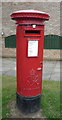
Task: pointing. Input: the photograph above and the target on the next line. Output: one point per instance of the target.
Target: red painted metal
(30, 13)
(29, 69)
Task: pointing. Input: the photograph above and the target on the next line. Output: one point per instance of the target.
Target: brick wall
(51, 27)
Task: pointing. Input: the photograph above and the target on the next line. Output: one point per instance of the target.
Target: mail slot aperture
(32, 31)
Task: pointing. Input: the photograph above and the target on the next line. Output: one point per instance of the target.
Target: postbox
(29, 58)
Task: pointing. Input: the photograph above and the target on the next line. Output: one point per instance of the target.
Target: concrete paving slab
(61, 76)
(55, 77)
(9, 72)
(46, 77)
(0, 72)
(48, 70)
(56, 70)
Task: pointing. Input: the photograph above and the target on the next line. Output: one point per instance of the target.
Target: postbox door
(33, 81)
(33, 64)
(30, 61)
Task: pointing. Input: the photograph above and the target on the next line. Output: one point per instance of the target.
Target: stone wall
(51, 27)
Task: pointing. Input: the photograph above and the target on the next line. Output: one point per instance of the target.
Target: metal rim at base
(28, 104)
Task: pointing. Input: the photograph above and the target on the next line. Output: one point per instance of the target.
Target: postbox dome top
(30, 13)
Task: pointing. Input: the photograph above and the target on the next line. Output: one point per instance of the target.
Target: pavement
(51, 69)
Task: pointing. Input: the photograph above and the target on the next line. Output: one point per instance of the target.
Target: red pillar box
(29, 55)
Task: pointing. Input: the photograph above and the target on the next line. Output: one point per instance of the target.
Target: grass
(8, 94)
(50, 97)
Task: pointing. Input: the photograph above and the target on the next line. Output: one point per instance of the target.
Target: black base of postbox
(28, 104)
